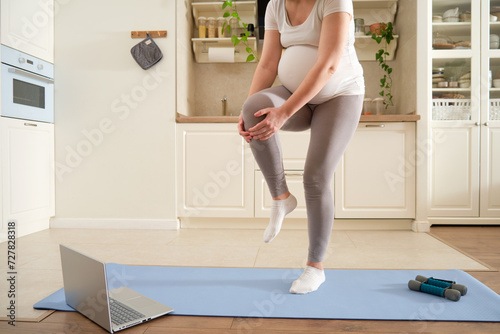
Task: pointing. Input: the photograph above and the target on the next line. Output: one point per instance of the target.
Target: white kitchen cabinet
(461, 177)
(376, 176)
(27, 150)
(294, 146)
(490, 170)
(215, 172)
(28, 26)
(454, 171)
(218, 177)
(263, 198)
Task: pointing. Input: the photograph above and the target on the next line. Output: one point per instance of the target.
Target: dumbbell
(442, 283)
(447, 293)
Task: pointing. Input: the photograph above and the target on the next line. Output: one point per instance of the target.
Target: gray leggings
(332, 125)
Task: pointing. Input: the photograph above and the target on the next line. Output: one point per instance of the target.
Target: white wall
(128, 172)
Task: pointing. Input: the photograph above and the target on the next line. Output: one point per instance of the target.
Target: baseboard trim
(463, 221)
(421, 226)
(118, 223)
(293, 224)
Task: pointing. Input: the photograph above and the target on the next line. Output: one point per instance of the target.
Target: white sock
(279, 209)
(309, 281)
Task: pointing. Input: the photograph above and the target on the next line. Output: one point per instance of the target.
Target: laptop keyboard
(121, 313)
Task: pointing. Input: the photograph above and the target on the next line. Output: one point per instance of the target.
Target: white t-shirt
(301, 43)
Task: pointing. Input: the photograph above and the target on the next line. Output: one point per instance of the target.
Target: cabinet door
(28, 26)
(263, 198)
(376, 176)
(454, 171)
(215, 169)
(490, 170)
(27, 173)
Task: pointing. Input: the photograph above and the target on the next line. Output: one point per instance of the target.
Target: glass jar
(202, 27)
(359, 24)
(212, 29)
(367, 106)
(220, 26)
(378, 106)
(233, 22)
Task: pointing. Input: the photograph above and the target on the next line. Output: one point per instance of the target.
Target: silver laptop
(86, 290)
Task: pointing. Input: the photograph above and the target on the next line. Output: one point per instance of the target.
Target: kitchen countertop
(234, 119)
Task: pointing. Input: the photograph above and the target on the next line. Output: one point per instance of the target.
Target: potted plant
(235, 39)
(382, 33)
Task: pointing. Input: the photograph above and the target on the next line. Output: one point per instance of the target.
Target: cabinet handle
(294, 173)
(375, 125)
(30, 124)
(486, 123)
(477, 124)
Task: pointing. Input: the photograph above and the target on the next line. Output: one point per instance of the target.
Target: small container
(437, 18)
(251, 29)
(464, 84)
(443, 84)
(494, 41)
(367, 106)
(378, 106)
(465, 17)
(496, 83)
(202, 26)
(211, 28)
(233, 22)
(453, 84)
(220, 26)
(359, 25)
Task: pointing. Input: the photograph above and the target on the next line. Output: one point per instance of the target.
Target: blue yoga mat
(252, 292)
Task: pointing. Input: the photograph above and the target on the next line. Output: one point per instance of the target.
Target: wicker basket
(494, 109)
(451, 109)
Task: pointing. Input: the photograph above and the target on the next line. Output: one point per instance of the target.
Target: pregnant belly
(293, 67)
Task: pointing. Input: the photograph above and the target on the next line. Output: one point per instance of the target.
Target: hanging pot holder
(146, 53)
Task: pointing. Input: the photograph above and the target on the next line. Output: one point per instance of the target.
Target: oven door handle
(31, 75)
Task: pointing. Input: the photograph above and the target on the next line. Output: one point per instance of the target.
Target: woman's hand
(241, 130)
(270, 125)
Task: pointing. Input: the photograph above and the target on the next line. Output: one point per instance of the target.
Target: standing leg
(332, 127)
(268, 155)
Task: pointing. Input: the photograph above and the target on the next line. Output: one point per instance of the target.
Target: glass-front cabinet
(462, 106)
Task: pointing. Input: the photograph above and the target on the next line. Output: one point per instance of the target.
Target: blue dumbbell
(442, 283)
(447, 293)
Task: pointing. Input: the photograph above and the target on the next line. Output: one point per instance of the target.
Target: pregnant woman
(322, 90)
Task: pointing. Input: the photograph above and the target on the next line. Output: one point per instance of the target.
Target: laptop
(86, 290)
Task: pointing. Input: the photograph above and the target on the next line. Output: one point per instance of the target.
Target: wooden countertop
(234, 119)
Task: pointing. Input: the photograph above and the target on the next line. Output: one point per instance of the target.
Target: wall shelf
(247, 11)
(201, 46)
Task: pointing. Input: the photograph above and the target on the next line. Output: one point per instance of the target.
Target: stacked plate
(464, 81)
(437, 76)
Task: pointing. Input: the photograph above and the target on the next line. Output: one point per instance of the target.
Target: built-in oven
(27, 86)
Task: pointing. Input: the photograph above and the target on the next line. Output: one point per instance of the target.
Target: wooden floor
(481, 242)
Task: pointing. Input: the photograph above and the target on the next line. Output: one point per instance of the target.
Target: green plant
(235, 39)
(384, 36)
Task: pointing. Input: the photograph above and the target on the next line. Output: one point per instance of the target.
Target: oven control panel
(26, 62)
